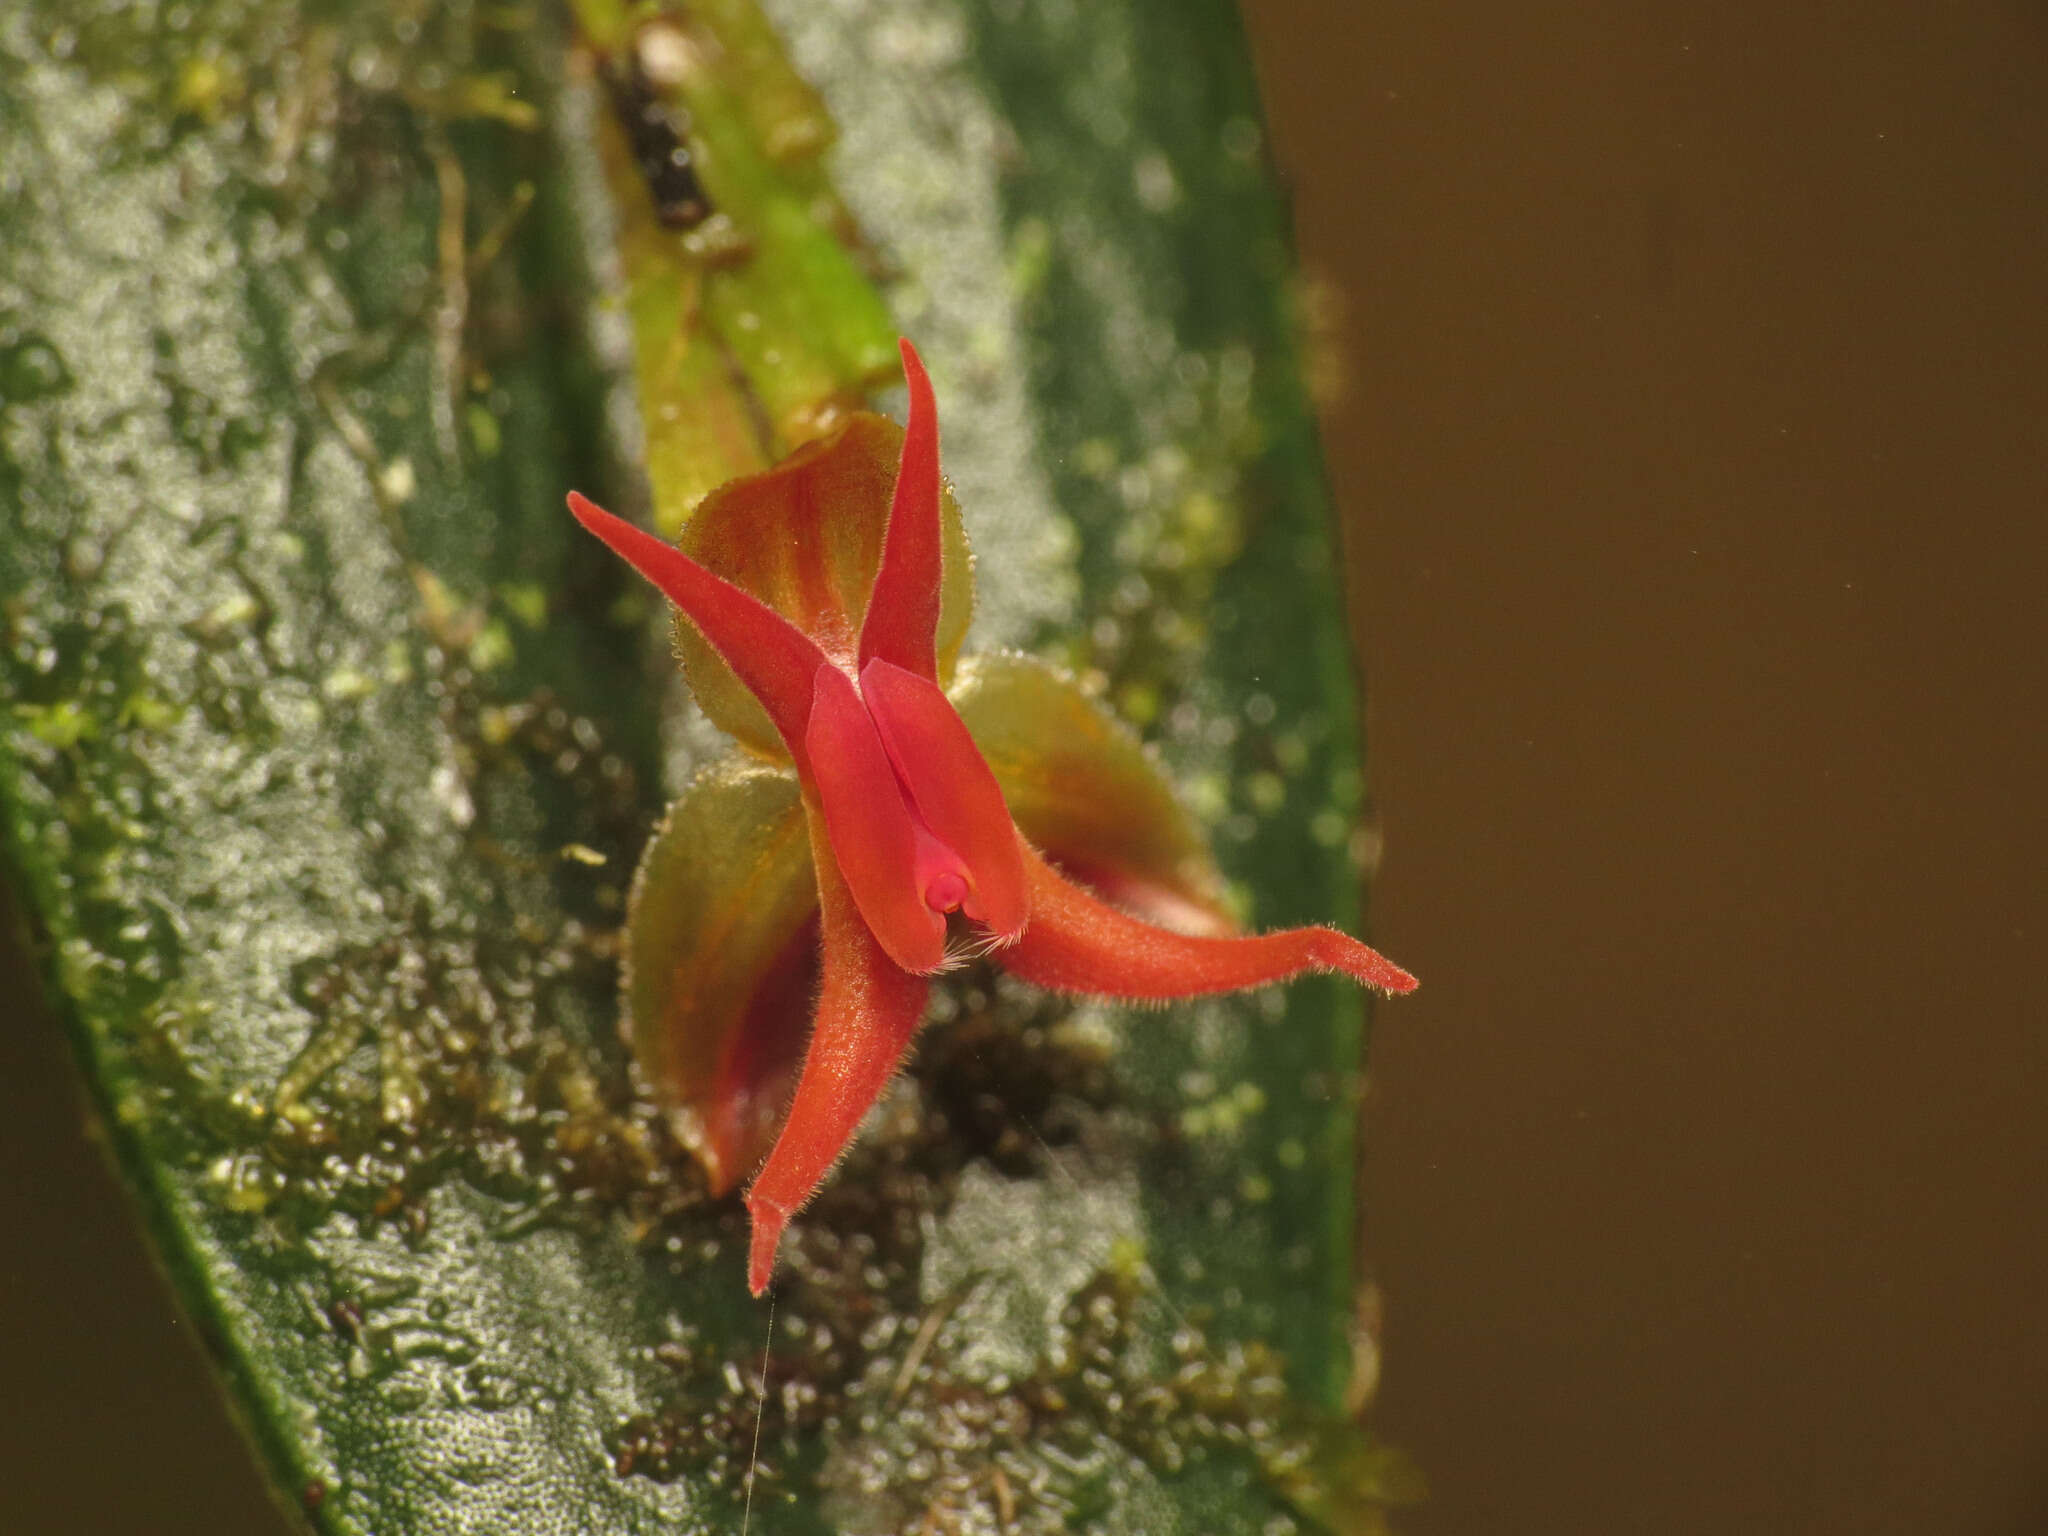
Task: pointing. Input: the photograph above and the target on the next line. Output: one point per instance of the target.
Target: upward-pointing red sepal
(903, 613)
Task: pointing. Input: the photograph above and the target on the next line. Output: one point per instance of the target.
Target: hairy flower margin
(892, 828)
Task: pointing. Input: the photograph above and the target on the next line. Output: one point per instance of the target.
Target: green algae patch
(327, 748)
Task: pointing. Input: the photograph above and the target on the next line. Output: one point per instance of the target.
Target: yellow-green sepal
(720, 962)
(1083, 790)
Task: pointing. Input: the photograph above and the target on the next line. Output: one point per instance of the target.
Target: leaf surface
(329, 747)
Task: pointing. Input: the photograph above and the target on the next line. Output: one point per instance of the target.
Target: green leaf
(329, 746)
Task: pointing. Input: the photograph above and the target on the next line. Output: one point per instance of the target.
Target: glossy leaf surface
(328, 744)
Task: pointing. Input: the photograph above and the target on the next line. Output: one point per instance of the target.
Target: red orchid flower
(908, 828)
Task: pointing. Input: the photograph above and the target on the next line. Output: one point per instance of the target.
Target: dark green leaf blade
(317, 715)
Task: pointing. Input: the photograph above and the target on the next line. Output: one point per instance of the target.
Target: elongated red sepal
(1076, 943)
(874, 839)
(868, 1010)
(903, 612)
(776, 660)
(953, 790)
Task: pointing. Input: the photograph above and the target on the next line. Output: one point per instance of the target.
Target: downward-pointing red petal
(903, 612)
(776, 660)
(1076, 943)
(953, 790)
(874, 841)
(868, 1009)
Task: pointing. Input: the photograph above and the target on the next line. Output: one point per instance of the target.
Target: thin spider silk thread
(760, 1413)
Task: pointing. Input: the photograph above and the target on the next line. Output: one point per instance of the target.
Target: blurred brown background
(1695, 456)
(1696, 462)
